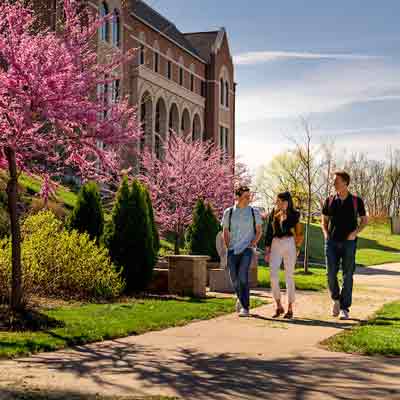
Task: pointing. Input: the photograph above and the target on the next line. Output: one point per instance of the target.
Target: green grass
(96, 322)
(27, 394)
(315, 280)
(63, 195)
(376, 245)
(379, 336)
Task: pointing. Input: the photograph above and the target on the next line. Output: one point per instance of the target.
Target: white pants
(283, 249)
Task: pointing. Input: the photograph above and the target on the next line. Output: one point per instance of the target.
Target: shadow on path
(196, 375)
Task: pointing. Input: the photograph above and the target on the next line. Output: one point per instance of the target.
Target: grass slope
(97, 322)
(379, 336)
(376, 245)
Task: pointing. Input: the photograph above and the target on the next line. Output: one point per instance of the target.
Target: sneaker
(244, 313)
(344, 314)
(238, 306)
(336, 308)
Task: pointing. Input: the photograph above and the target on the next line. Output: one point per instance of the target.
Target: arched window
(116, 28)
(104, 29)
(222, 91)
(227, 94)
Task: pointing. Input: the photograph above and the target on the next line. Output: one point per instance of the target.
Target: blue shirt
(242, 227)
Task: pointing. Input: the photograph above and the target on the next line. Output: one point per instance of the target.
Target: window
(115, 91)
(203, 88)
(181, 76)
(143, 124)
(227, 94)
(224, 139)
(156, 62)
(157, 147)
(116, 22)
(222, 91)
(104, 29)
(141, 57)
(169, 70)
(192, 82)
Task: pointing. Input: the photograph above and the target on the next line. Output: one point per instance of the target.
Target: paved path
(231, 358)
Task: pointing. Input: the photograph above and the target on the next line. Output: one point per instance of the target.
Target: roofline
(198, 33)
(167, 37)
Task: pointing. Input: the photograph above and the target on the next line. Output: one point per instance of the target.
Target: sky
(336, 63)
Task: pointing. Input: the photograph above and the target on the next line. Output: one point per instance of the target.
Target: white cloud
(322, 89)
(259, 57)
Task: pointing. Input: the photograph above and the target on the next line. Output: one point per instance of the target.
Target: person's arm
(363, 221)
(227, 237)
(325, 220)
(225, 225)
(325, 226)
(258, 220)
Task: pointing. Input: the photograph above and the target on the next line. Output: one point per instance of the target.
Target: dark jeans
(239, 266)
(341, 254)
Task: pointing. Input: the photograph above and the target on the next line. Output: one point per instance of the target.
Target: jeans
(344, 254)
(283, 249)
(239, 266)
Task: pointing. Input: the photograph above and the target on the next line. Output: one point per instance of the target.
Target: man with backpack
(341, 226)
(241, 232)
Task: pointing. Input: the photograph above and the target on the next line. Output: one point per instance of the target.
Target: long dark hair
(286, 196)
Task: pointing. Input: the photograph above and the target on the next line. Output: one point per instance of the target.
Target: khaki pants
(283, 249)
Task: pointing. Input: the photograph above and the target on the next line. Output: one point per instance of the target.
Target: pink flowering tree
(50, 116)
(187, 172)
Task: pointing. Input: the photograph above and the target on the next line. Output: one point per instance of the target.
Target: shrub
(87, 215)
(201, 235)
(59, 263)
(156, 236)
(130, 236)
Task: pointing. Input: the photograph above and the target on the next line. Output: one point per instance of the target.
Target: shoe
(278, 312)
(336, 308)
(244, 313)
(288, 315)
(344, 315)
(238, 306)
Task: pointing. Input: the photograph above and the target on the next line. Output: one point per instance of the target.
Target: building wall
(199, 107)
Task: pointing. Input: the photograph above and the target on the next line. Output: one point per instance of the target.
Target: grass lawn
(379, 336)
(376, 245)
(96, 322)
(315, 280)
(24, 394)
(63, 195)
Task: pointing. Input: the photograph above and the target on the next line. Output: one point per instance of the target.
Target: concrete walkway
(231, 358)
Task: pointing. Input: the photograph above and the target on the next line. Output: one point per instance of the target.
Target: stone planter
(395, 222)
(159, 282)
(211, 265)
(188, 275)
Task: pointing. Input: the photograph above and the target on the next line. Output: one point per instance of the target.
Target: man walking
(242, 232)
(340, 226)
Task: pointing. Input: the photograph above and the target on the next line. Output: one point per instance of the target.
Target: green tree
(156, 236)
(130, 237)
(87, 215)
(201, 234)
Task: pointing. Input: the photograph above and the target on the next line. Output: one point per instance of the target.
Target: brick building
(180, 81)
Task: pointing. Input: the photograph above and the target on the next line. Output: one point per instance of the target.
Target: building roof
(150, 16)
(203, 42)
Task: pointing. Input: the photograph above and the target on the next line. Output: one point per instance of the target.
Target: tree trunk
(12, 197)
(177, 243)
(307, 238)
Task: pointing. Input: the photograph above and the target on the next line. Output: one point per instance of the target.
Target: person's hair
(344, 175)
(286, 196)
(241, 189)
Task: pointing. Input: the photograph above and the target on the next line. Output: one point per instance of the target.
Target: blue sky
(337, 62)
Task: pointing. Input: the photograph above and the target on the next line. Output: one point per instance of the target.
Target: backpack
(355, 204)
(252, 213)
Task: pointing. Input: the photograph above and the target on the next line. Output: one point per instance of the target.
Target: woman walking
(281, 246)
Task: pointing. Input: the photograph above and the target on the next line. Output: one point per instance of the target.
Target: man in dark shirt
(340, 226)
